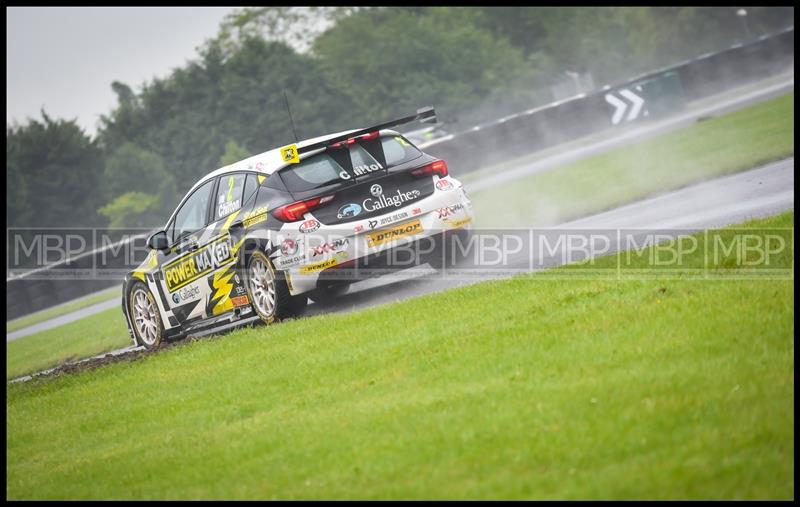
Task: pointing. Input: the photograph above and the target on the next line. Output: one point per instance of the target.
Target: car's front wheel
(268, 292)
(145, 317)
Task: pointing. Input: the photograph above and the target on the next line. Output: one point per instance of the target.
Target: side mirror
(158, 241)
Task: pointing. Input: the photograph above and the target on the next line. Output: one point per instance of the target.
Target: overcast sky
(65, 58)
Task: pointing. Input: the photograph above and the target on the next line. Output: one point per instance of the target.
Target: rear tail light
(436, 167)
(352, 140)
(295, 211)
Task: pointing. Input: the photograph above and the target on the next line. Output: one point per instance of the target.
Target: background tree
(52, 170)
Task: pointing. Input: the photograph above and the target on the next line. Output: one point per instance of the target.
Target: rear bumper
(336, 254)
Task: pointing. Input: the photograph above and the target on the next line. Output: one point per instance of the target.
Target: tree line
(369, 65)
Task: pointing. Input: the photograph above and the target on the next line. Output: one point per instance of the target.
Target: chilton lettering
(384, 201)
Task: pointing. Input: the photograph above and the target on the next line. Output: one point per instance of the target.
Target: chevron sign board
(627, 104)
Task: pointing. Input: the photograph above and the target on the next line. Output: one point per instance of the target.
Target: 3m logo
(289, 154)
(399, 231)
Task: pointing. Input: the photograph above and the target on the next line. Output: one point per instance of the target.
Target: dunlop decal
(319, 266)
(398, 231)
(190, 267)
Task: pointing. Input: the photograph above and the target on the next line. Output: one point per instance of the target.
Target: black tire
(142, 308)
(259, 291)
(330, 293)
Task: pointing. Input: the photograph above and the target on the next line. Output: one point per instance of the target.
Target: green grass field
(722, 145)
(49, 313)
(82, 338)
(540, 386)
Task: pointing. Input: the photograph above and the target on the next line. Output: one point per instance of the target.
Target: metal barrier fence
(648, 96)
(652, 95)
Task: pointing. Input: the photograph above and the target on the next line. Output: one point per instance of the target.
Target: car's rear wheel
(268, 292)
(145, 317)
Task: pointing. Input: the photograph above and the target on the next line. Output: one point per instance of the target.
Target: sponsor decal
(339, 244)
(393, 218)
(444, 185)
(361, 170)
(289, 246)
(221, 287)
(240, 301)
(372, 224)
(358, 228)
(348, 211)
(287, 262)
(382, 201)
(449, 210)
(186, 294)
(376, 190)
(319, 266)
(309, 226)
(289, 154)
(398, 231)
(256, 216)
(416, 211)
(458, 223)
(188, 268)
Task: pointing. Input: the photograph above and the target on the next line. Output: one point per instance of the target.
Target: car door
(225, 285)
(185, 267)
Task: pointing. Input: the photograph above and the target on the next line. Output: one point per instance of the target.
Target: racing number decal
(230, 189)
(289, 154)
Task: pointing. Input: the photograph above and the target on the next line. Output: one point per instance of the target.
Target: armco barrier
(662, 92)
(648, 96)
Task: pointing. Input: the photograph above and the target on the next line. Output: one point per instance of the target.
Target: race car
(261, 236)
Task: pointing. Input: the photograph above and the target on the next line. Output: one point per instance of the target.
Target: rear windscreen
(322, 170)
(398, 150)
(314, 172)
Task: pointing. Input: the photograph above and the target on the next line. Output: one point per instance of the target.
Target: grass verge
(534, 387)
(82, 338)
(722, 145)
(57, 311)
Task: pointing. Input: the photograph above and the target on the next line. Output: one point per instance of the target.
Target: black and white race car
(264, 234)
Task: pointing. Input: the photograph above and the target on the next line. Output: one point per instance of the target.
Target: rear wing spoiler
(372, 144)
(424, 115)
